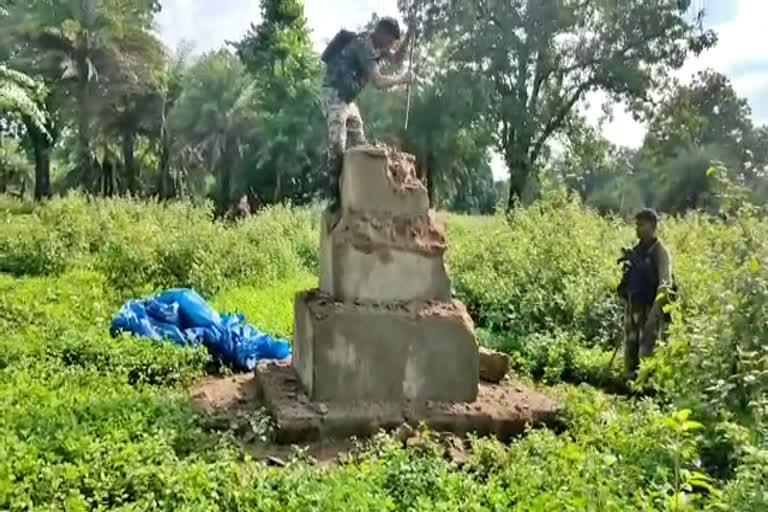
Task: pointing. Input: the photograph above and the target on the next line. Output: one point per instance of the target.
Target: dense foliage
(94, 423)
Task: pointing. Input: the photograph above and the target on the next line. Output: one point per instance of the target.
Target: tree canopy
(536, 60)
(100, 104)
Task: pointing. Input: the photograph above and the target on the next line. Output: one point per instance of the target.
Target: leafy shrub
(141, 246)
(552, 265)
(91, 422)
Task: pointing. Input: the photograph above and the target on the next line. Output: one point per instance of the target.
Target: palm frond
(21, 95)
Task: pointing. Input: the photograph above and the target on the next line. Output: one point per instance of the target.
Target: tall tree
(171, 87)
(705, 112)
(95, 44)
(28, 99)
(215, 118)
(278, 51)
(536, 60)
(698, 123)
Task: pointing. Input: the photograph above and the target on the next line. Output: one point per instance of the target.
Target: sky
(741, 52)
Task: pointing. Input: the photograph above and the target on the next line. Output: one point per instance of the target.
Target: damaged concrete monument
(382, 337)
(383, 326)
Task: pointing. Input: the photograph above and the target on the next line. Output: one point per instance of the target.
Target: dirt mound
(233, 404)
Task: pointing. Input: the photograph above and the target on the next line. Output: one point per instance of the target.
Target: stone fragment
(493, 365)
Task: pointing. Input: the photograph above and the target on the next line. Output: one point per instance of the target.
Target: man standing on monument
(352, 60)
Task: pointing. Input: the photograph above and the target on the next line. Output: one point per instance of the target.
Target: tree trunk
(519, 172)
(84, 121)
(108, 175)
(225, 181)
(428, 174)
(165, 169)
(42, 153)
(278, 182)
(132, 175)
(42, 174)
(165, 157)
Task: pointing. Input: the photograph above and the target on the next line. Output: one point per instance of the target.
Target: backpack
(337, 44)
(640, 280)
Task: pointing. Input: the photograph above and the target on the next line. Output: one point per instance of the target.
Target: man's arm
(663, 267)
(381, 81)
(664, 271)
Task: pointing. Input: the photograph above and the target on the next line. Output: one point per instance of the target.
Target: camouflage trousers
(345, 130)
(642, 327)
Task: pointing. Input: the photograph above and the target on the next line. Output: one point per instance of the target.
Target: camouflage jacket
(350, 70)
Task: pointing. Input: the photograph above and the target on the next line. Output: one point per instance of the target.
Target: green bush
(142, 246)
(90, 422)
(549, 266)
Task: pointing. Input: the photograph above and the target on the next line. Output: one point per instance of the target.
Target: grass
(94, 423)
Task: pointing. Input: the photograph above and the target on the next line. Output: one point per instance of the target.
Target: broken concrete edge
(400, 165)
(322, 304)
(401, 173)
(371, 231)
(504, 412)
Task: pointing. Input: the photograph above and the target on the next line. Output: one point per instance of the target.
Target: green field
(92, 423)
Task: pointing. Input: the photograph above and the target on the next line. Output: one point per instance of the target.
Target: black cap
(389, 25)
(648, 214)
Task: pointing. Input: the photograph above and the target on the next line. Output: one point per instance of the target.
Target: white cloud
(206, 23)
(738, 54)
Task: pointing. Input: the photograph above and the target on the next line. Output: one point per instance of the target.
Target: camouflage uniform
(346, 76)
(643, 324)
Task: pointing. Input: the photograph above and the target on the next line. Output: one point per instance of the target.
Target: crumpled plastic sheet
(182, 316)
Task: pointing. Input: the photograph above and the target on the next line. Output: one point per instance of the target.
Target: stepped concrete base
(503, 411)
(383, 258)
(408, 351)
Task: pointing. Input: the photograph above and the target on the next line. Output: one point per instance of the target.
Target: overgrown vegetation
(94, 423)
(91, 100)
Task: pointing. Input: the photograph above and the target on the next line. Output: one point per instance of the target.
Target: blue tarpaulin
(180, 315)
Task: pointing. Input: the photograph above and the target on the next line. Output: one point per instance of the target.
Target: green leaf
(692, 425)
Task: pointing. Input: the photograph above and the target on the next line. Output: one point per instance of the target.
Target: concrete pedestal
(383, 259)
(417, 351)
(504, 411)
